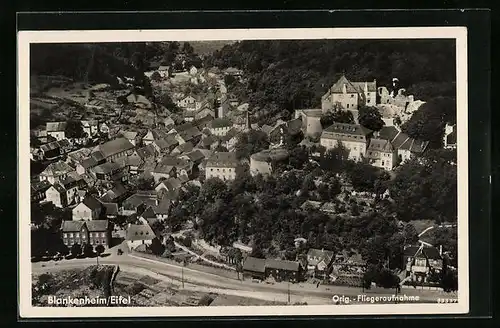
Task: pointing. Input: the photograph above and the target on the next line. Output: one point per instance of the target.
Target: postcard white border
(25, 38)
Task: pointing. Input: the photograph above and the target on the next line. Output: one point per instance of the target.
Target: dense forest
(104, 62)
(292, 74)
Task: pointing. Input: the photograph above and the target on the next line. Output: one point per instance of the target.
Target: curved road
(196, 277)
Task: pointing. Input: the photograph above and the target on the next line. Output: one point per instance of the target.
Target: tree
(370, 118)
(157, 247)
(339, 116)
(335, 159)
(425, 188)
(76, 250)
(251, 142)
(156, 76)
(87, 249)
(187, 48)
(74, 129)
(449, 280)
(298, 157)
(428, 122)
(99, 249)
(145, 182)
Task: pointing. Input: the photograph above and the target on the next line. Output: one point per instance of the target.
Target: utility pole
(288, 291)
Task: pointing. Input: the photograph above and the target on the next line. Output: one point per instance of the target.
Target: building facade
(352, 136)
(221, 165)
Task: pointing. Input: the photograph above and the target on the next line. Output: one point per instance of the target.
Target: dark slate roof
(203, 122)
(195, 155)
(282, 265)
(107, 168)
(97, 155)
(352, 87)
(149, 213)
(164, 205)
(115, 146)
(114, 193)
(294, 126)
(427, 251)
(221, 123)
(185, 147)
(110, 208)
(431, 253)
(50, 146)
(380, 145)
(71, 226)
(344, 131)
(222, 159)
(97, 225)
(57, 168)
(400, 140)
(138, 198)
(146, 151)
(41, 186)
(189, 133)
(55, 126)
(140, 232)
(254, 264)
(268, 155)
(91, 203)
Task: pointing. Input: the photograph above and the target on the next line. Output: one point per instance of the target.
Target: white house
(139, 234)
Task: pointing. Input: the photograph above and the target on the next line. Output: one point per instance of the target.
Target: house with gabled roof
(220, 126)
(209, 142)
(88, 209)
(114, 195)
(50, 150)
(110, 171)
(165, 145)
(421, 261)
(62, 194)
(139, 234)
(139, 201)
(131, 136)
(56, 130)
(115, 149)
(450, 136)
(405, 146)
(349, 95)
(221, 165)
(382, 154)
(182, 148)
(319, 261)
(146, 152)
(55, 172)
(38, 190)
(353, 136)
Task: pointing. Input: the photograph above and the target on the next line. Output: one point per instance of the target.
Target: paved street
(155, 268)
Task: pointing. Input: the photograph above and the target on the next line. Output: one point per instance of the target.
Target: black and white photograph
(243, 172)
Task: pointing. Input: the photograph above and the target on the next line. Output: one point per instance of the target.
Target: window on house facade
(65, 235)
(103, 234)
(347, 105)
(70, 235)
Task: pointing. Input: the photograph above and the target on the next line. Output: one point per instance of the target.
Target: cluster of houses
(385, 148)
(344, 268)
(102, 182)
